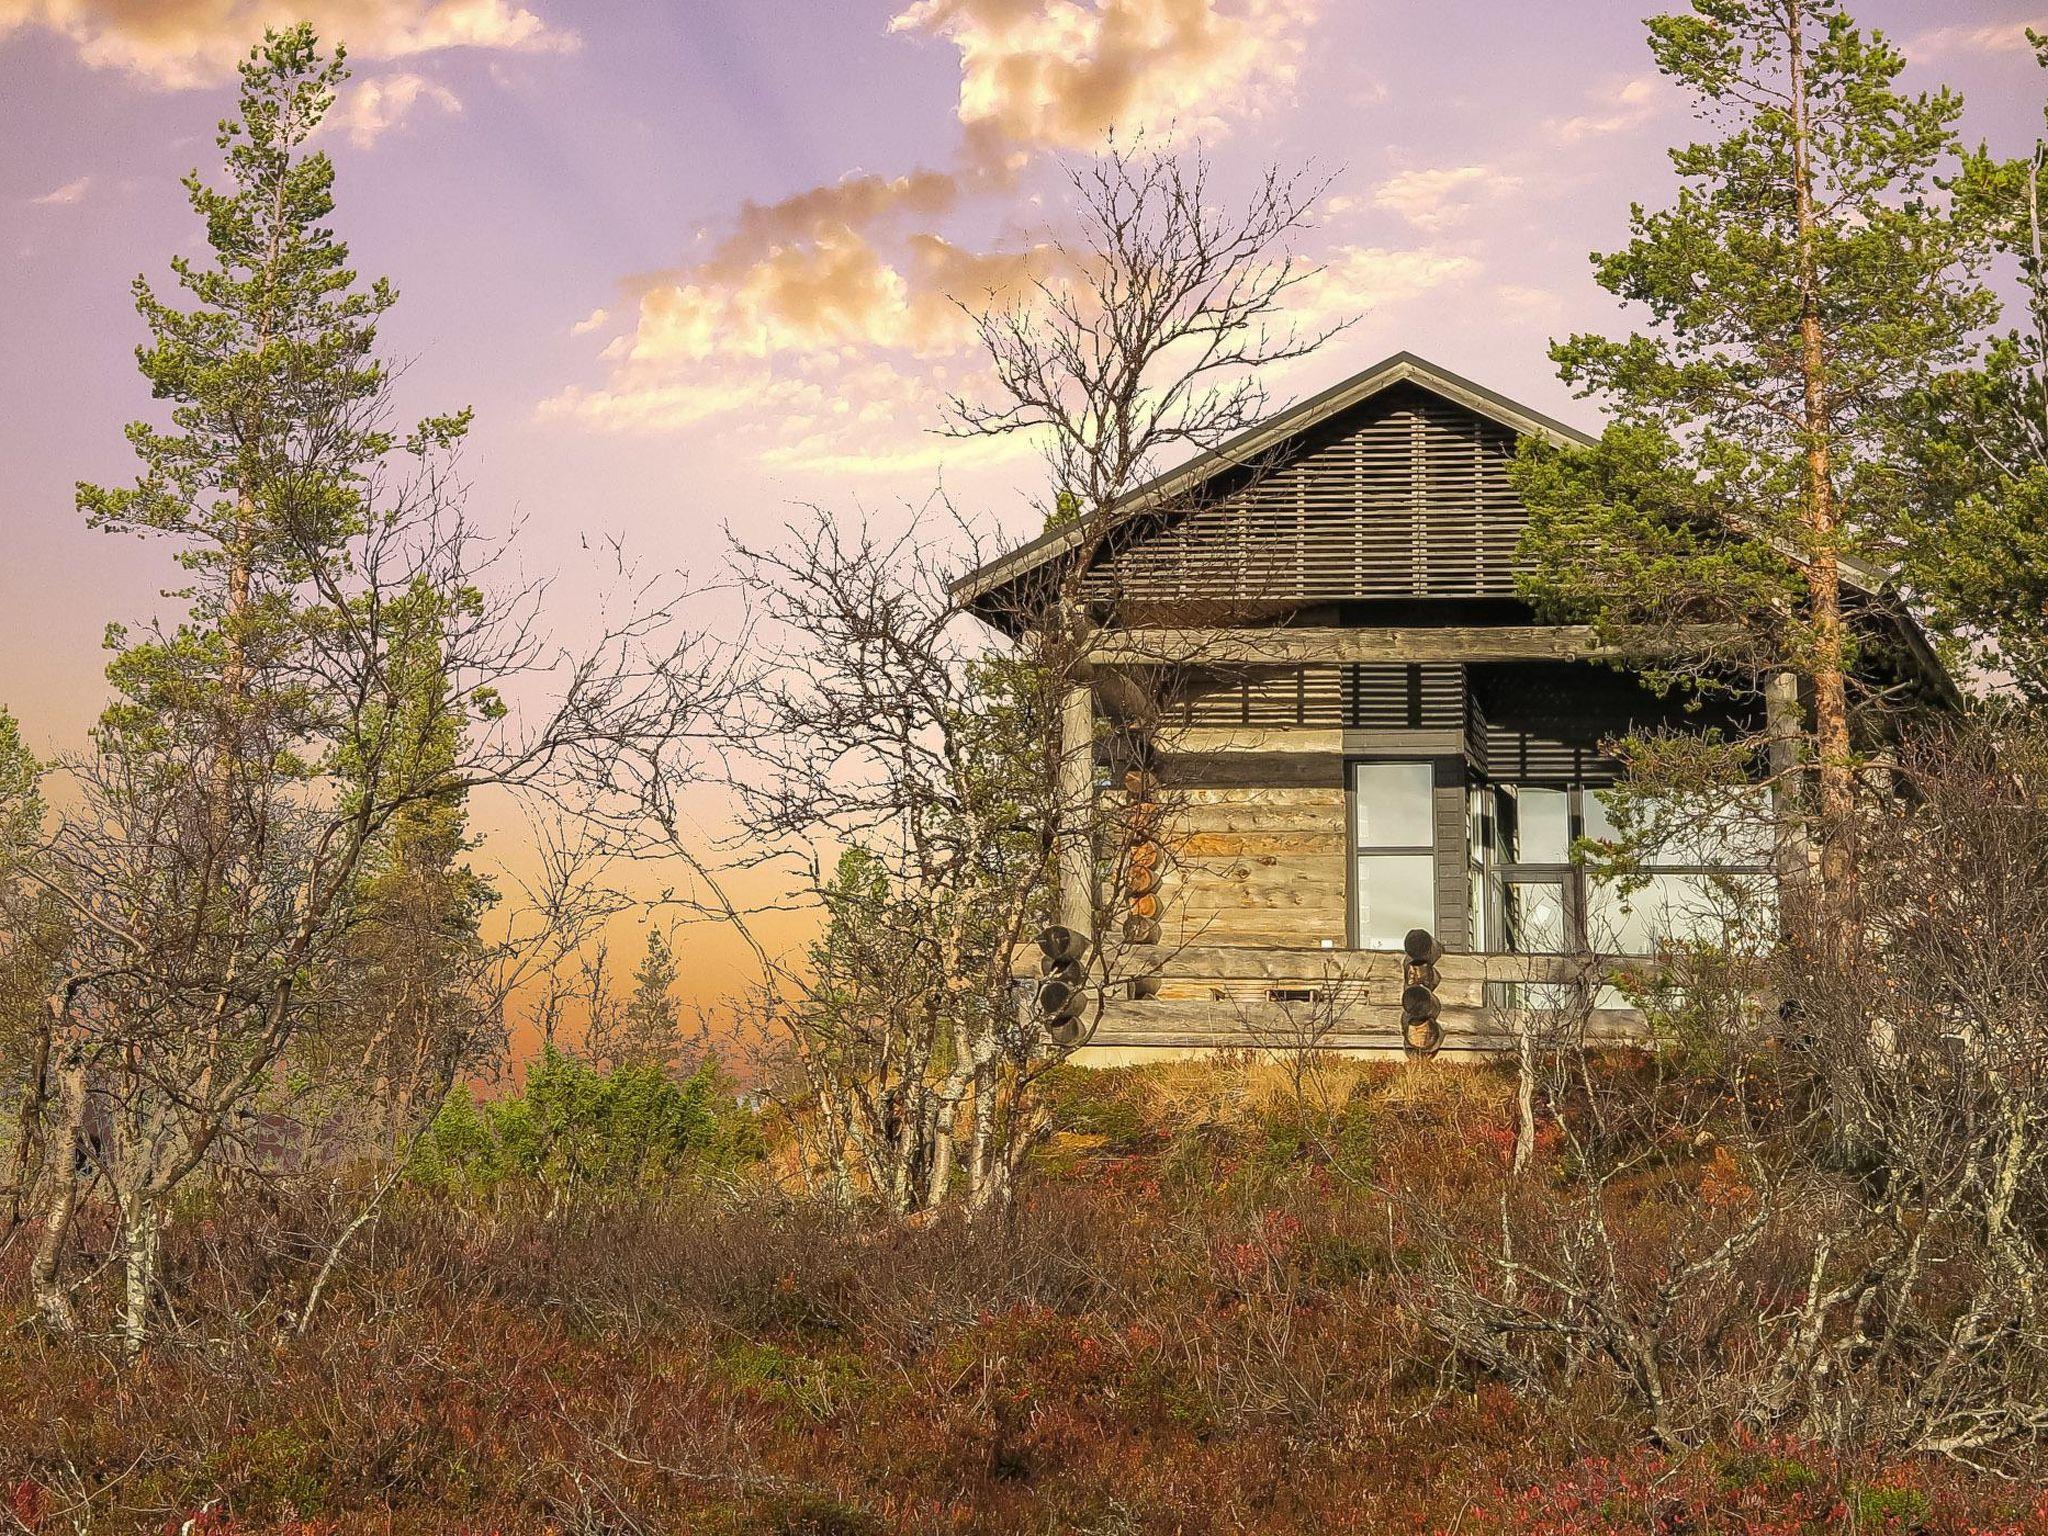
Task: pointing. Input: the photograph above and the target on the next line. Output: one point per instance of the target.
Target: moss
(1102, 1104)
(1890, 1509)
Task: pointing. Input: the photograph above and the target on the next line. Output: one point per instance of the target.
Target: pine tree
(258, 753)
(650, 1028)
(1805, 282)
(1974, 529)
(419, 1006)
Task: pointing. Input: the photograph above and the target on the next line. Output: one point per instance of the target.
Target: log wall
(1256, 864)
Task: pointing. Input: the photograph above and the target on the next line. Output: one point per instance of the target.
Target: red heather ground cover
(1196, 1323)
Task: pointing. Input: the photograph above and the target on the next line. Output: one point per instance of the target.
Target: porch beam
(1075, 813)
(1308, 646)
(1308, 966)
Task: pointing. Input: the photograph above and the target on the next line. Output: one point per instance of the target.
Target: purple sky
(691, 261)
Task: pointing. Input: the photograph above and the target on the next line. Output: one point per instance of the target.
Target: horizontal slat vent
(1510, 753)
(1416, 697)
(1412, 500)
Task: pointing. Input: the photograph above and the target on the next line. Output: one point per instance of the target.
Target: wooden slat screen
(1413, 697)
(1411, 499)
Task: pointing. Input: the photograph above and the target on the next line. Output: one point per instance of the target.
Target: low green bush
(571, 1125)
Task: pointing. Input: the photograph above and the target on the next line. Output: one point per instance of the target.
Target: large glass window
(1521, 868)
(1393, 852)
(1706, 877)
(1529, 895)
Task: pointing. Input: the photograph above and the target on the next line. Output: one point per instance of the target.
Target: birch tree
(337, 666)
(894, 721)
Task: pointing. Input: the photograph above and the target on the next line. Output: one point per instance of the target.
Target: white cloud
(1355, 280)
(826, 328)
(1518, 301)
(1063, 72)
(70, 192)
(1432, 199)
(831, 414)
(1626, 106)
(369, 108)
(593, 321)
(1994, 37)
(822, 326)
(186, 43)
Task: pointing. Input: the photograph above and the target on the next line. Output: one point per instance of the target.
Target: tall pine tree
(1974, 531)
(260, 749)
(1805, 283)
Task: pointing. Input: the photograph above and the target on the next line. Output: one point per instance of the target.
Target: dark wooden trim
(1232, 769)
(1226, 963)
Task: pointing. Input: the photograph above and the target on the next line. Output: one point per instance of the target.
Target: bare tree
(202, 949)
(1160, 335)
(1850, 1156)
(925, 771)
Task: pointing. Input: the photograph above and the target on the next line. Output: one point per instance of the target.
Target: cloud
(1518, 301)
(591, 322)
(1994, 37)
(70, 192)
(1626, 106)
(830, 414)
(850, 264)
(186, 43)
(1355, 280)
(1060, 73)
(1431, 199)
(824, 325)
(369, 108)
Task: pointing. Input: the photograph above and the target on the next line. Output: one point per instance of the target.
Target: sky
(694, 263)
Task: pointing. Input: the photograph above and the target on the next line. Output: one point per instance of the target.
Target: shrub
(572, 1126)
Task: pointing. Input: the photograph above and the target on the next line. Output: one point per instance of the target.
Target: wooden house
(1371, 732)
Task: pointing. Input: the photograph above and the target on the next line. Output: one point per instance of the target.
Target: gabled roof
(1402, 367)
(1246, 447)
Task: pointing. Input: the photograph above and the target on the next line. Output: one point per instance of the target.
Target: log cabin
(1368, 732)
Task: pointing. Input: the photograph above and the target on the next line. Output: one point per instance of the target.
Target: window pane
(1393, 805)
(1535, 917)
(1731, 828)
(1599, 820)
(1678, 909)
(1396, 892)
(1535, 825)
(1479, 806)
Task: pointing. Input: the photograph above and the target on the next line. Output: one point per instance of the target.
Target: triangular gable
(1192, 483)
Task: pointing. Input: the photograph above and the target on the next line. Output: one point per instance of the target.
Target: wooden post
(1783, 726)
(1075, 824)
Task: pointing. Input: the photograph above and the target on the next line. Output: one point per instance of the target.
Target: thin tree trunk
(140, 1234)
(1525, 1092)
(46, 1269)
(1827, 668)
(1784, 726)
(35, 1097)
(984, 1135)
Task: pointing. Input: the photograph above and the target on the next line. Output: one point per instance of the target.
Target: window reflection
(1393, 833)
(1705, 871)
(1396, 892)
(1392, 804)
